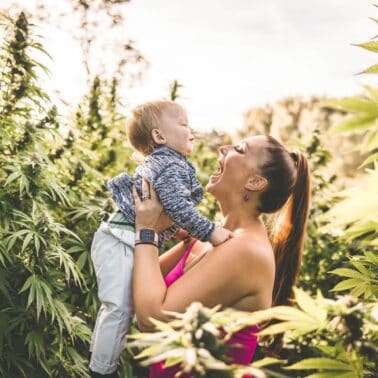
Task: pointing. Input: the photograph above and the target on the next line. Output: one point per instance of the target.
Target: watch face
(147, 235)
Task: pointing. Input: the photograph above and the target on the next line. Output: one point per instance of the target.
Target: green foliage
(323, 337)
(343, 336)
(324, 249)
(356, 213)
(362, 276)
(193, 340)
(53, 178)
(41, 329)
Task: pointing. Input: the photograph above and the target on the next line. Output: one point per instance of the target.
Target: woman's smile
(215, 177)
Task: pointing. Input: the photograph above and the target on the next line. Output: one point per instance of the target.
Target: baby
(159, 130)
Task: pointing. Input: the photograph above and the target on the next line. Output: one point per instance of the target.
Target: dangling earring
(246, 197)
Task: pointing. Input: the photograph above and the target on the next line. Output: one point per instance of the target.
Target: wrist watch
(146, 236)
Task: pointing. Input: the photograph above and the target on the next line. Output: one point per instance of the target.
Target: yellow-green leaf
(163, 326)
(372, 69)
(346, 272)
(371, 45)
(268, 361)
(355, 124)
(353, 105)
(307, 304)
(346, 284)
(359, 290)
(369, 160)
(361, 268)
(335, 374)
(299, 328)
(172, 361)
(320, 363)
(373, 92)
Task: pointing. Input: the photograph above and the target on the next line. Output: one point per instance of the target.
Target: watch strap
(146, 236)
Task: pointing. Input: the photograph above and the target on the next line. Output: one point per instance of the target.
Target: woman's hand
(149, 212)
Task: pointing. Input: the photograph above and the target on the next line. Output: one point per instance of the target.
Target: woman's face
(237, 164)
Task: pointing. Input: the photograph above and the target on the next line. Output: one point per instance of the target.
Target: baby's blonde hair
(143, 119)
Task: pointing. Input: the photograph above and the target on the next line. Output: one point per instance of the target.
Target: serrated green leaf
(13, 176)
(163, 326)
(27, 284)
(353, 105)
(282, 313)
(358, 290)
(346, 272)
(347, 284)
(295, 326)
(171, 361)
(361, 268)
(82, 260)
(371, 258)
(355, 124)
(37, 243)
(149, 352)
(335, 374)
(27, 240)
(308, 305)
(373, 92)
(268, 361)
(371, 45)
(320, 363)
(370, 70)
(370, 159)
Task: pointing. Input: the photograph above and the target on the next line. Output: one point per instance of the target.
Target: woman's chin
(213, 181)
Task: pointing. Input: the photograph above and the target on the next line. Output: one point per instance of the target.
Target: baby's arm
(172, 188)
(220, 235)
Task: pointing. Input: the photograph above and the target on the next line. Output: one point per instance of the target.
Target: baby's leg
(113, 261)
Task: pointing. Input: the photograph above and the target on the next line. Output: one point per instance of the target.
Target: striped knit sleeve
(173, 188)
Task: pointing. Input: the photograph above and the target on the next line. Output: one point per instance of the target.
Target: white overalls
(112, 254)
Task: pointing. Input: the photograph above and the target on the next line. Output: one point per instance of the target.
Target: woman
(252, 270)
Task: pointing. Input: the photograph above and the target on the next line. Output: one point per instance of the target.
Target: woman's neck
(236, 219)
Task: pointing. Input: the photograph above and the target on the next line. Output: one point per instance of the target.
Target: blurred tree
(294, 119)
(97, 25)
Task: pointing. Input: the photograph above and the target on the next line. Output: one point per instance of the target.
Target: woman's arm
(225, 274)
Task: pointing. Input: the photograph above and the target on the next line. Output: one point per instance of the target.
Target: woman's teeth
(219, 172)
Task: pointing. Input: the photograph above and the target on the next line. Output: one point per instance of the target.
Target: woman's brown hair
(288, 196)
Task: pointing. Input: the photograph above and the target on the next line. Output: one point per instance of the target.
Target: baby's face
(176, 131)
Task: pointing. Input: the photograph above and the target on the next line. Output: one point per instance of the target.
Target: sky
(232, 55)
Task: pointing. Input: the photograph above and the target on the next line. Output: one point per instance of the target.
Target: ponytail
(288, 233)
(287, 196)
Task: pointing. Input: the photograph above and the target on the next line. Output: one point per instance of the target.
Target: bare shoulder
(240, 254)
(253, 252)
(252, 247)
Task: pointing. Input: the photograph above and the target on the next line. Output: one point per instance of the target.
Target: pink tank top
(246, 337)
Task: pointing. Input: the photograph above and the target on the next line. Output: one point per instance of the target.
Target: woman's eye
(238, 149)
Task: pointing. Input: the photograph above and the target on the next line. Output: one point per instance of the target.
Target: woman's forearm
(149, 288)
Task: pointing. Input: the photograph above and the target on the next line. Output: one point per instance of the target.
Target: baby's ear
(158, 136)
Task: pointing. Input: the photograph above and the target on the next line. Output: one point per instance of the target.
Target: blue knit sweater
(179, 191)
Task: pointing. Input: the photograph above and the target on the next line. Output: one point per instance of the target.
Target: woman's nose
(223, 149)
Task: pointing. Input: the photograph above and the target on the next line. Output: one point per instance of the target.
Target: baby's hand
(220, 235)
(183, 235)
